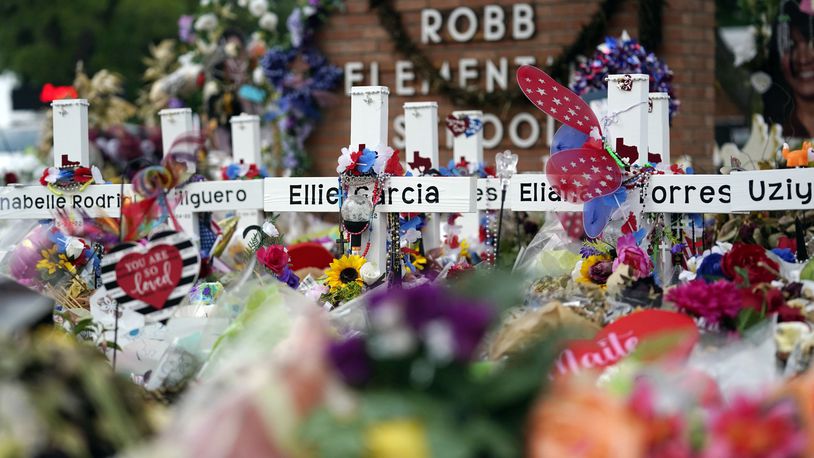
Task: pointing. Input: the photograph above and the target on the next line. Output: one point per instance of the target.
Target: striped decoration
(190, 261)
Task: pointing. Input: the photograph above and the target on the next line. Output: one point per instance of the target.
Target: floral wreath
(624, 55)
(243, 171)
(70, 177)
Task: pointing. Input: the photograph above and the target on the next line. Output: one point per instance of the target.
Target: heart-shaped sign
(620, 338)
(153, 277)
(457, 126)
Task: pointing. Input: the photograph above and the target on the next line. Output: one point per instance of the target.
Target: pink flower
(749, 428)
(711, 301)
(632, 256)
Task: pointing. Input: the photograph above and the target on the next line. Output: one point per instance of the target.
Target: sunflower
(345, 270)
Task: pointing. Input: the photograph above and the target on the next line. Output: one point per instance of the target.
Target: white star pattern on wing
(579, 122)
(608, 176)
(598, 191)
(610, 169)
(566, 117)
(539, 81)
(563, 181)
(553, 111)
(528, 90)
(593, 159)
(595, 169)
(603, 183)
(586, 118)
(528, 80)
(572, 112)
(540, 102)
(582, 160)
(567, 99)
(556, 89)
(556, 101)
(541, 91)
(587, 176)
(577, 183)
(589, 195)
(573, 164)
(564, 168)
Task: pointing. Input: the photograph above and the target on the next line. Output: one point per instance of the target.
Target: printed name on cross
(318, 194)
(54, 202)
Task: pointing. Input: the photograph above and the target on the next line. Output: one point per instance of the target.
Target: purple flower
(587, 251)
(426, 305)
(289, 277)
(351, 360)
(296, 27)
(185, 32)
(600, 272)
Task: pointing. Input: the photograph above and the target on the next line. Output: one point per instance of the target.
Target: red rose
(274, 257)
(767, 301)
(751, 258)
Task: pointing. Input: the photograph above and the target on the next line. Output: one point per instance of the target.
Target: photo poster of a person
(790, 99)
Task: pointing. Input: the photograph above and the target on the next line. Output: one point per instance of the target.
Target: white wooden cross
(469, 149)
(626, 124)
(369, 120)
(246, 150)
(176, 122)
(421, 141)
(70, 125)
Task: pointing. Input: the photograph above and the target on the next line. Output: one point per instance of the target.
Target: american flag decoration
(584, 173)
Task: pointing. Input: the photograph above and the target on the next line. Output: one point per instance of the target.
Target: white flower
(384, 153)
(269, 22)
(232, 49)
(270, 229)
(258, 77)
(242, 3)
(412, 234)
(345, 160)
(258, 7)
(52, 175)
(206, 22)
(369, 272)
(576, 274)
(97, 175)
(74, 248)
(309, 10)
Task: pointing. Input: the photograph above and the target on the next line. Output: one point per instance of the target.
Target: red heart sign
(152, 276)
(623, 336)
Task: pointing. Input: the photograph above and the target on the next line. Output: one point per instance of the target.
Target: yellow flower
(46, 263)
(345, 270)
(464, 249)
(585, 269)
(66, 265)
(418, 262)
(401, 438)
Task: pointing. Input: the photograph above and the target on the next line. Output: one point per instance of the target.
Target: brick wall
(688, 49)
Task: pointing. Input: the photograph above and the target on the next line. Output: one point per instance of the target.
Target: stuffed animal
(799, 157)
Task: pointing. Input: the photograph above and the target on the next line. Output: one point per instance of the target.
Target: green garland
(590, 35)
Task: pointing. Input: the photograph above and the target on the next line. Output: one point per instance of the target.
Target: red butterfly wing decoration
(572, 224)
(581, 174)
(555, 99)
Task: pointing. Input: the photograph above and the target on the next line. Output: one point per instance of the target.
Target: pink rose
(631, 255)
(274, 257)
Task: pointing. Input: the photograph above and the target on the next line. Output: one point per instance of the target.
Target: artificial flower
(393, 166)
(384, 155)
(46, 263)
(630, 254)
(185, 33)
(710, 268)
(364, 164)
(588, 263)
(270, 229)
(345, 270)
(288, 277)
(398, 438)
(370, 273)
(350, 358)
(714, 301)
(268, 21)
(748, 428)
(206, 22)
(347, 160)
(785, 254)
(599, 272)
(274, 257)
(411, 235)
(414, 260)
(49, 176)
(752, 260)
(258, 7)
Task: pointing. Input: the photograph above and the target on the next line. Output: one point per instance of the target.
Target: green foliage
(42, 40)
